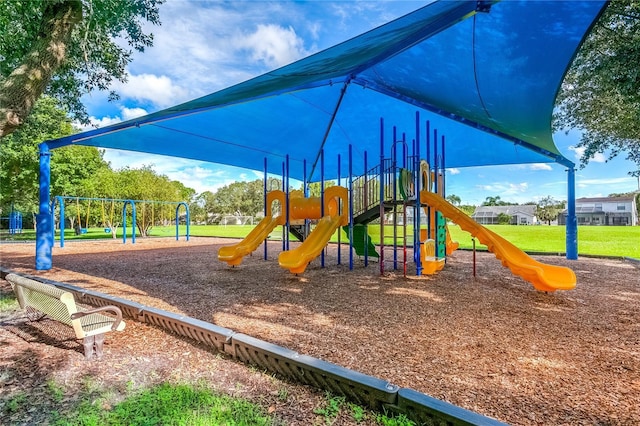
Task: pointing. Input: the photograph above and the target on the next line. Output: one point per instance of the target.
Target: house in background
(619, 211)
(520, 215)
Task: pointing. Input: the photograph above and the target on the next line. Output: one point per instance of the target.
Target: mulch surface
(490, 343)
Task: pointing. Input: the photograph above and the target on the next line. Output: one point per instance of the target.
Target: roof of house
(605, 199)
(493, 211)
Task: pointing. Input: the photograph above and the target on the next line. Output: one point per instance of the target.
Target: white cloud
(540, 166)
(505, 188)
(125, 114)
(129, 113)
(157, 90)
(605, 181)
(454, 171)
(579, 152)
(272, 44)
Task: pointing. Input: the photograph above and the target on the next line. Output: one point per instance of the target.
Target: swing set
(108, 217)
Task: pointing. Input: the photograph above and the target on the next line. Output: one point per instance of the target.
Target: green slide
(361, 240)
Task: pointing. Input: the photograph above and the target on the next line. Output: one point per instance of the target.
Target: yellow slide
(296, 260)
(543, 277)
(233, 254)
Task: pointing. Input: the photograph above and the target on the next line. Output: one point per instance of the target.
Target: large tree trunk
(22, 88)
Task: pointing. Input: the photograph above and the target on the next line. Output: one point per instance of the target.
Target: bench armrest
(113, 309)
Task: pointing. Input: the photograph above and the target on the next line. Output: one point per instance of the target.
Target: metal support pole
(287, 193)
(571, 228)
(44, 227)
(60, 201)
(264, 201)
(187, 219)
(285, 229)
(381, 183)
(416, 225)
(322, 198)
(339, 210)
(366, 208)
(124, 221)
(350, 207)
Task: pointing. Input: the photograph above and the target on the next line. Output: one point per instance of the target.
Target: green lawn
(592, 240)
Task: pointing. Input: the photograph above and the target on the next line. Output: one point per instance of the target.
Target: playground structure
(400, 187)
(14, 221)
(108, 219)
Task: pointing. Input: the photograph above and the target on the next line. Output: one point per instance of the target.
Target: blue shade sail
(485, 74)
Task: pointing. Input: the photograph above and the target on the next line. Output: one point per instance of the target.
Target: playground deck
(490, 344)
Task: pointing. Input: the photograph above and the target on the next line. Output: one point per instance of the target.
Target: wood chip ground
(491, 344)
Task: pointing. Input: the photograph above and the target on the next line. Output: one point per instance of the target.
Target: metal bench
(90, 325)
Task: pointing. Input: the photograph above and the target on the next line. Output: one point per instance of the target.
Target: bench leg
(98, 347)
(88, 343)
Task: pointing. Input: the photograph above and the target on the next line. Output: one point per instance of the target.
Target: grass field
(592, 240)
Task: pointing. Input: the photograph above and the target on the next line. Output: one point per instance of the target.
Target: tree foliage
(548, 208)
(495, 201)
(240, 198)
(70, 166)
(66, 48)
(601, 91)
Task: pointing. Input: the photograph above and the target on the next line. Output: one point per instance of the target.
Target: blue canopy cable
(329, 126)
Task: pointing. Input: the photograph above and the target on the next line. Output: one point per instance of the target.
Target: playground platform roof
(484, 73)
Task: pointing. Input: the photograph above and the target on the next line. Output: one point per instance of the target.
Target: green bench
(90, 325)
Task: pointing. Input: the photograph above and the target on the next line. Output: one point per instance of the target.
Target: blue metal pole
(305, 193)
(571, 229)
(444, 171)
(416, 225)
(436, 188)
(339, 209)
(60, 201)
(44, 227)
(133, 221)
(366, 207)
(187, 219)
(350, 207)
(394, 168)
(285, 228)
(381, 196)
(287, 192)
(264, 201)
(322, 198)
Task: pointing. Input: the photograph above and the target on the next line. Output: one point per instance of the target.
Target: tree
(71, 167)
(548, 208)
(494, 201)
(468, 209)
(240, 198)
(601, 91)
(147, 185)
(315, 187)
(454, 199)
(66, 48)
(504, 219)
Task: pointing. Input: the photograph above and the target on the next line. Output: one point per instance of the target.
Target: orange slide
(336, 215)
(544, 277)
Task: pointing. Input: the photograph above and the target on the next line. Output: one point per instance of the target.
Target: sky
(205, 46)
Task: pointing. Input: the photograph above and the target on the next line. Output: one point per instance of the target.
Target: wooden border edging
(366, 390)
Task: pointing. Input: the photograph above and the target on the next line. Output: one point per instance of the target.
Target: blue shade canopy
(484, 74)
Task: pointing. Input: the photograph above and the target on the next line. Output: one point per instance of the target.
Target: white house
(520, 214)
(619, 211)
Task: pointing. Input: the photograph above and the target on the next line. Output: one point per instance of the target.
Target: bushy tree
(601, 92)
(66, 48)
(495, 201)
(240, 198)
(548, 208)
(71, 167)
